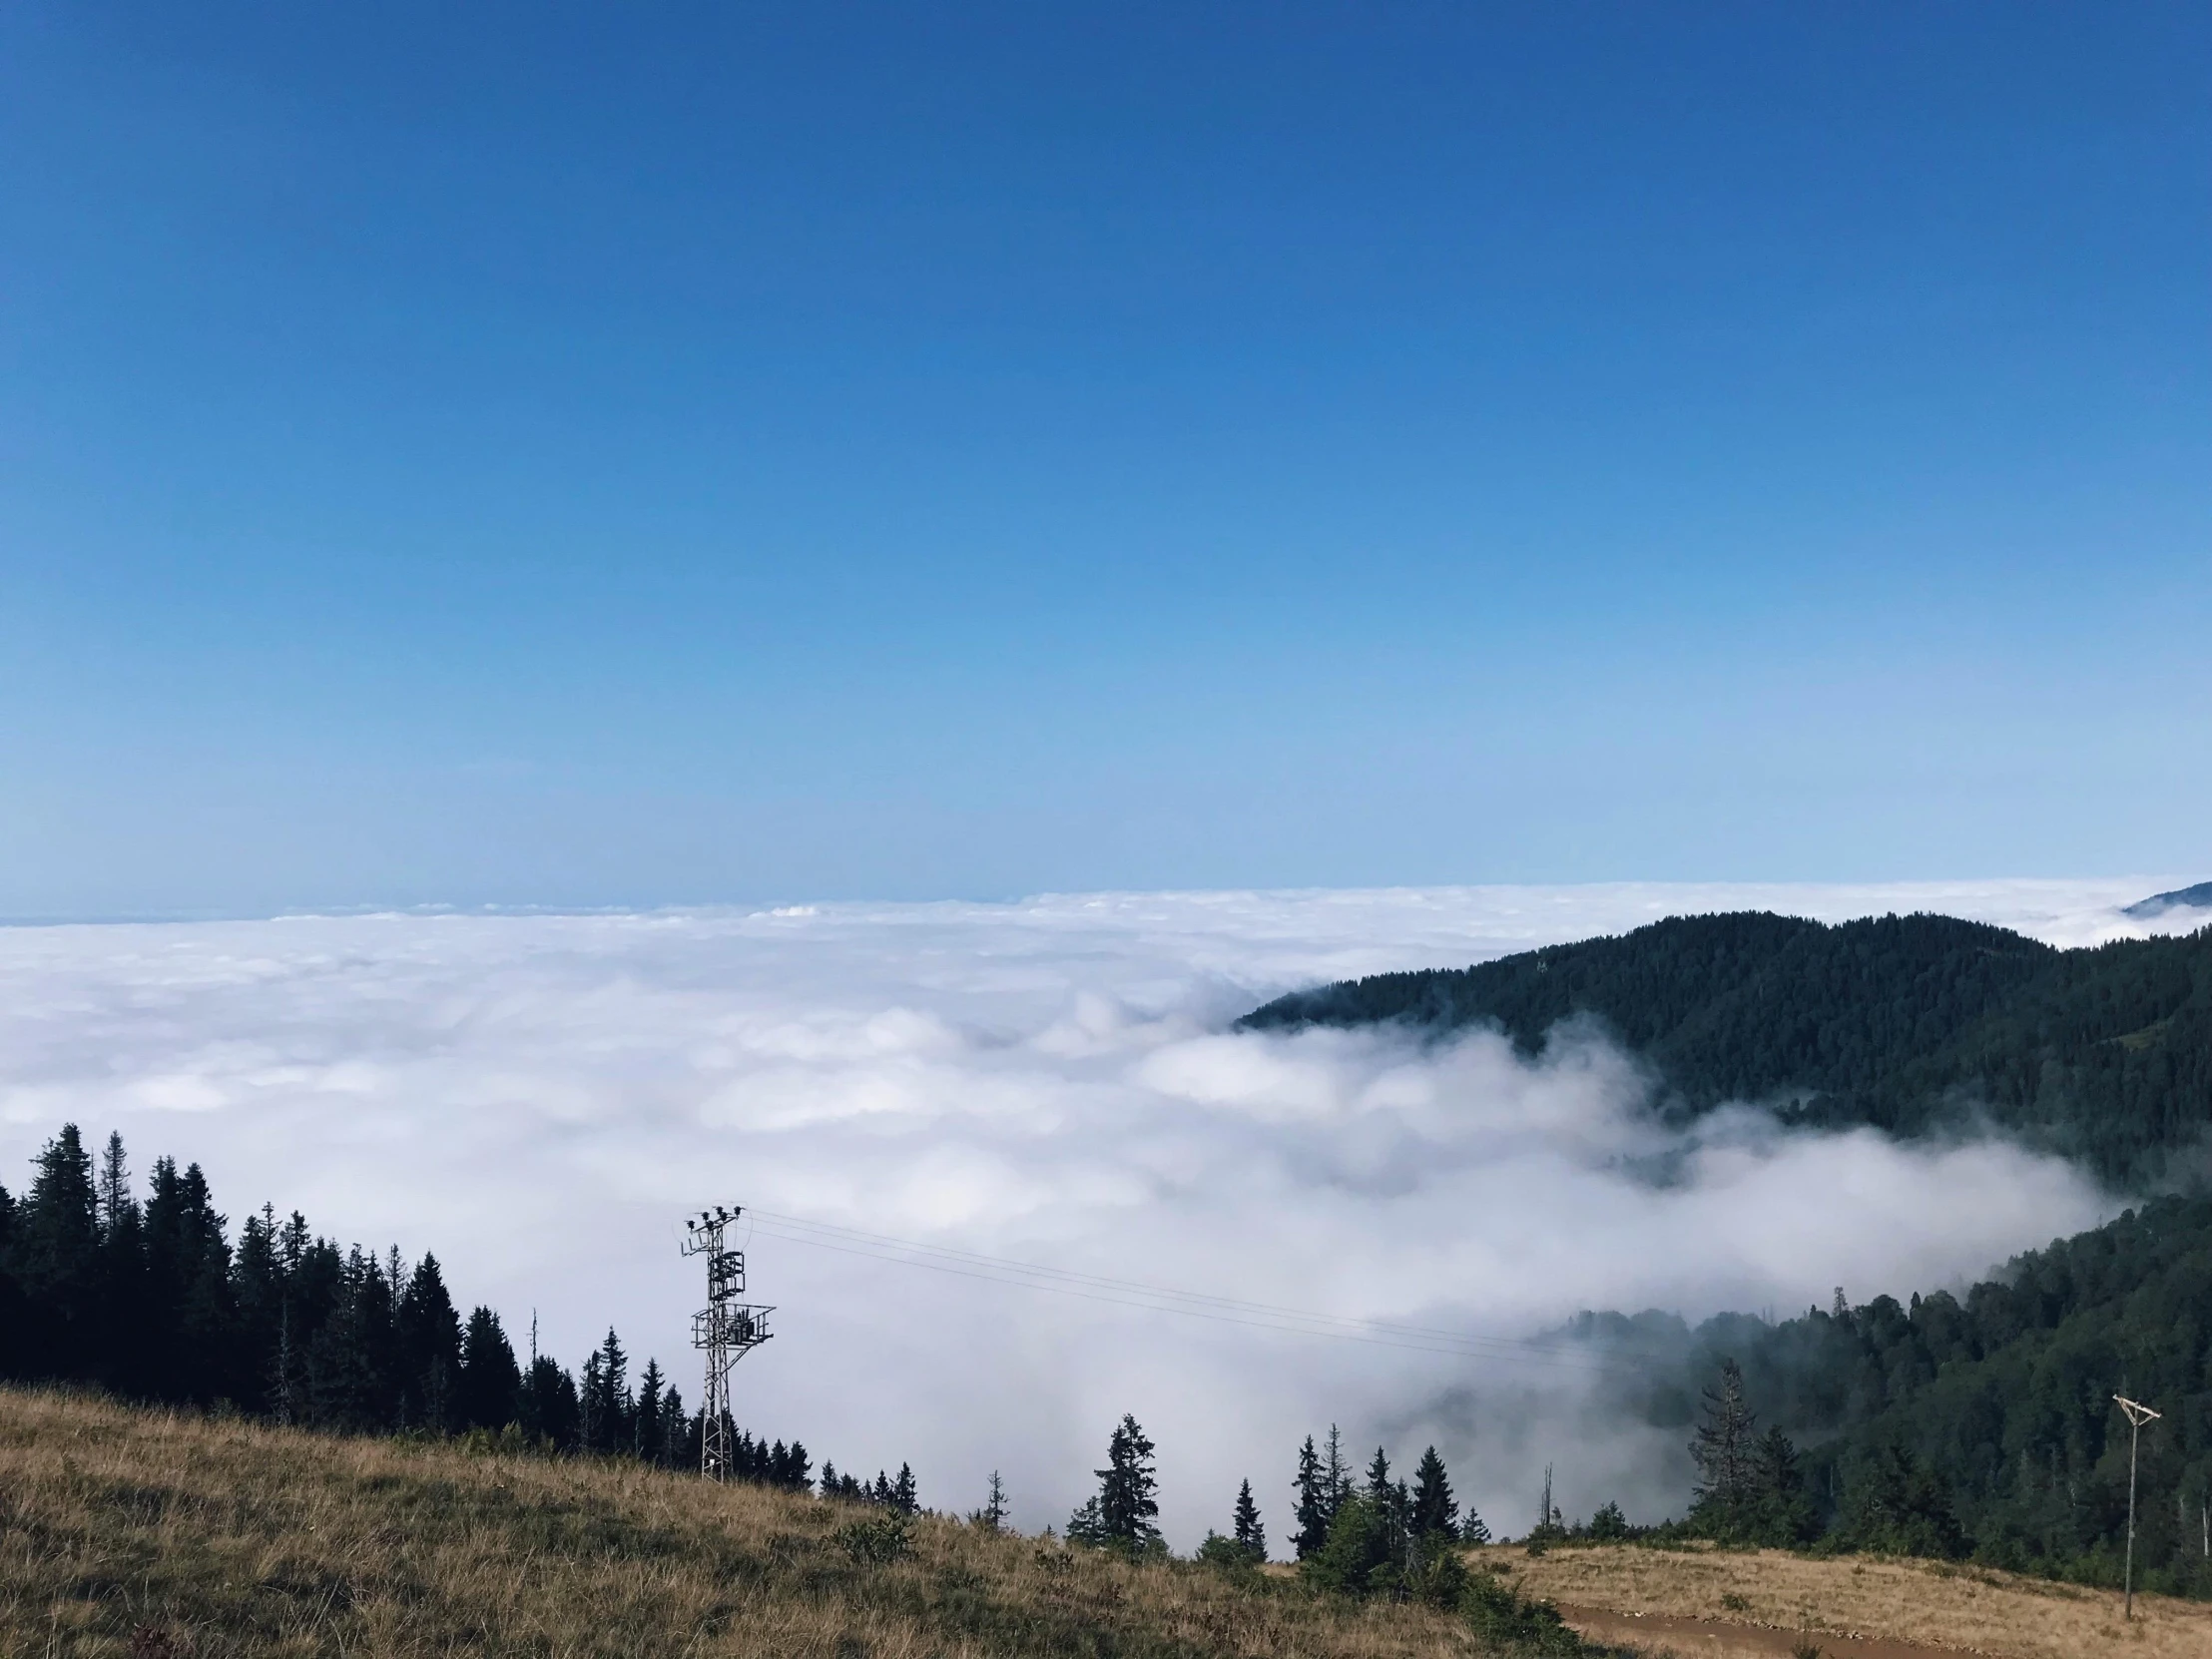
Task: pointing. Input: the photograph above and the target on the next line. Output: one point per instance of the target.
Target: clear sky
(646, 454)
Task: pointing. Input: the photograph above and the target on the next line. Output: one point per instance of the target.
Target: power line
(1001, 1270)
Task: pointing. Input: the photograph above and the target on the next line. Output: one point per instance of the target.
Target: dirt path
(1709, 1639)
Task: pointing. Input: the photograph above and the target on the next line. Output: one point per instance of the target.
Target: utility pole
(2138, 1416)
(726, 1328)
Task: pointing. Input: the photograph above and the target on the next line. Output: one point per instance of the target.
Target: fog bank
(538, 1098)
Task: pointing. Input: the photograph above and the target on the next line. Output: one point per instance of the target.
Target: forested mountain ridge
(1908, 1024)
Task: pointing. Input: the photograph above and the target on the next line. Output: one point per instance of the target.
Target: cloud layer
(538, 1098)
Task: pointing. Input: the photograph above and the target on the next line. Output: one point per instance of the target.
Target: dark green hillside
(1904, 1022)
(2002, 1403)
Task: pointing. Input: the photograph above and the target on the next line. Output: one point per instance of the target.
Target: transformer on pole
(726, 1328)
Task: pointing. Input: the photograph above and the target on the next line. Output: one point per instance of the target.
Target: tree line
(152, 1300)
(1371, 1537)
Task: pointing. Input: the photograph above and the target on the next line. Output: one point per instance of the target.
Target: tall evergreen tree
(1128, 1505)
(678, 1449)
(1435, 1510)
(1336, 1474)
(1311, 1511)
(57, 1258)
(606, 1397)
(549, 1404)
(262, 1332)
(1722, 1451)
(645, 1427)
(429, 1333)
(1245, 1527)
(490, 1379)
(1379, 1478)
(123, 1300)
(15, 1312)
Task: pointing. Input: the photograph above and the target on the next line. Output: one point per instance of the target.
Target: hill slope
(2003, 1398)
(1653, 1595)
(140, 1533)
(1903, 1022)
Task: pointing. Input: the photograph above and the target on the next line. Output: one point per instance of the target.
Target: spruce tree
(1245, 1527)
(1127, 1504)
(57, 1258)
(606, 1397)
(1312, 1509)
(1722, 1451)
(123, 1301)
(1335, 1477)
(904, 1496)
(1087, 1525)
(1436, 1510)
(490, 1379)
(992, 1516)
(1378, 1478)
(428, 1335)
(645, 1427)
(15, 1313)
(678, 1450)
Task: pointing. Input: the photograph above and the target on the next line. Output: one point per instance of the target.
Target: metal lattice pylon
(726, 1328)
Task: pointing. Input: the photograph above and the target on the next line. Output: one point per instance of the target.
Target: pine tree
(1245, 1527)
(428, 1333)
(588, 1400)
(904, 1496)
(1311, 1509)
(549, 1405)
(490, 1381)
(15, 1313)
(1472, 1529)
(1336, 1476)
(1087, 1525)
(1378, 1478)
(1127, 1504)
(122, 1298)
(1782, 1517)
(1723, 1453)
(257, 1360)
(605, 1395)
(57, 1258)
(1435, 1510)
(343, 1387)
(993, 1514)
(645, 1430)
(678, 1450)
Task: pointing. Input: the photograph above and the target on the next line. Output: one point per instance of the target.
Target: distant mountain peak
(2198, 897)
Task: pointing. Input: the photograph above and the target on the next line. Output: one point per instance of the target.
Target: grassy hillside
(1652, 1594)
(155, 1535)
(1904, 1022)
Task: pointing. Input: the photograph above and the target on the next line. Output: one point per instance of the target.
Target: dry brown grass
(1923, 1602)
(136, 1532)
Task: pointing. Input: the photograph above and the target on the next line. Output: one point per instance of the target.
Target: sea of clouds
(538, 1099)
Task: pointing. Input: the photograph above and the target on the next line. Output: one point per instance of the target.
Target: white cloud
(537, 1098)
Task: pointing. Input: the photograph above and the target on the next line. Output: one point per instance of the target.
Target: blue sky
(639, 455)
